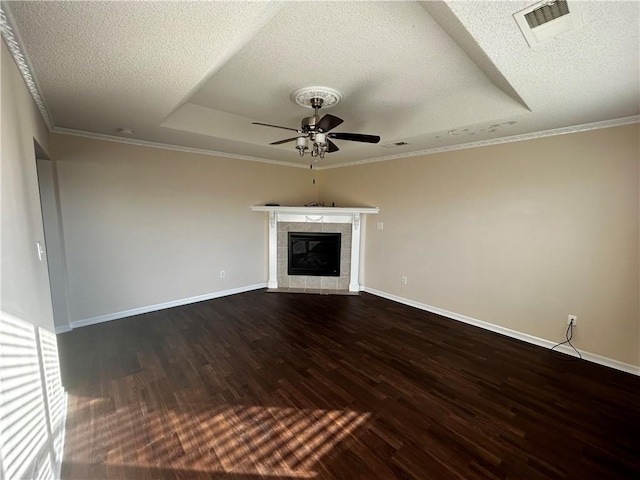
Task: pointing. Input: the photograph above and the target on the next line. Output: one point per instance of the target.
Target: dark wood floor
(286, 386)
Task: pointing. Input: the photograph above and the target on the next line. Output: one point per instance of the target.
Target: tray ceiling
(431, 74)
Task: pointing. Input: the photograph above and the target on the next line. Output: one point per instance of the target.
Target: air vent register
(549, 19)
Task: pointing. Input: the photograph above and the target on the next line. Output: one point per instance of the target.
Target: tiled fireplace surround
(310, 281)
(346, 221)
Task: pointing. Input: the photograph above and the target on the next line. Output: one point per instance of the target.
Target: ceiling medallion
(303, 96)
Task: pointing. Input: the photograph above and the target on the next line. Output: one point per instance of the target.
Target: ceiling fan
(316, 129)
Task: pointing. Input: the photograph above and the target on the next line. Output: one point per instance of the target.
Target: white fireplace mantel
(350, 215)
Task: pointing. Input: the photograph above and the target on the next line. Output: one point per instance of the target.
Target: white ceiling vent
(548, 19)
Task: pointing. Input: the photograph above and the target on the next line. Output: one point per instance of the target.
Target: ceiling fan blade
(332, 146)
(275, 126)
(283, 141)
(355, 137)
(328, 122)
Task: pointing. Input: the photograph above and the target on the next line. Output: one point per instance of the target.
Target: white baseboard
(591, 357)
(63, 329)
(153, 308)
(541, 342)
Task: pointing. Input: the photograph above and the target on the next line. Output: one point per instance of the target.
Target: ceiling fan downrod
(316, 103)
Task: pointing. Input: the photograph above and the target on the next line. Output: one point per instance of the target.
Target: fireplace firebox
(314, 254)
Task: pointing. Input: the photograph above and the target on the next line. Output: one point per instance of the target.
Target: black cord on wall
(568, 336)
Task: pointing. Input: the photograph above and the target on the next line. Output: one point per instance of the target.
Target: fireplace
(344, 221)
(314, 254)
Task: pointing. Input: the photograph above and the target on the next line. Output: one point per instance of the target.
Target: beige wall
(518, 235)
(145, 226)
(25, 290)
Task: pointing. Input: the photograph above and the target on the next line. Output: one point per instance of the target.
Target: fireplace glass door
(314, 254)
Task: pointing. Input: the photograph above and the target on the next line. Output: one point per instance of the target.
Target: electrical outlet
(572, 320)
(403, 280)
(222, 274)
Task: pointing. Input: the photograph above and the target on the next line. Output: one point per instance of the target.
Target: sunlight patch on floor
(240, 439)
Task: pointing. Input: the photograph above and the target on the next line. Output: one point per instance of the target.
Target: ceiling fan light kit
(315, 130)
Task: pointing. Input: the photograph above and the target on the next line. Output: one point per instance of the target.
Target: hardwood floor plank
(275, 386)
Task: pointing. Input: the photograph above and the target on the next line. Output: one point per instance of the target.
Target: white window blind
(55, 393)
(44, 471)
(32, 401)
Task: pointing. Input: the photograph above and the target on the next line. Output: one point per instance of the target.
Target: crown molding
(430, 151)
(166, 146)
(13, 44)
(21, 62)
(496, 141)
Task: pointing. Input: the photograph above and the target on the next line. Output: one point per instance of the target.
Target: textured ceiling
(432, 74)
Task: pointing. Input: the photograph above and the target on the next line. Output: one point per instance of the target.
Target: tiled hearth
(347, 221)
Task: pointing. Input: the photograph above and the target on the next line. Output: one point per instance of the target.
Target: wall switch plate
(572, 320)
(380, 225)
(40, 250)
